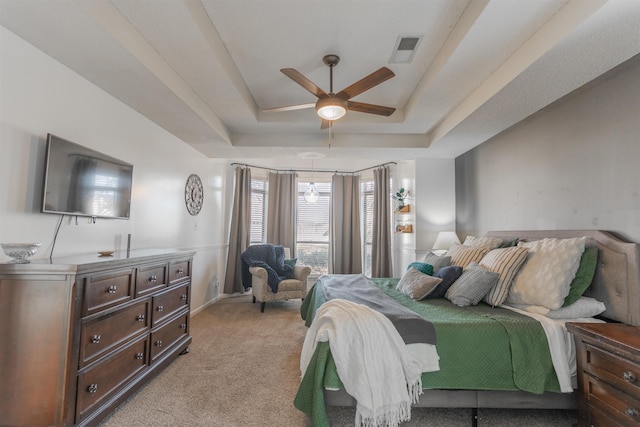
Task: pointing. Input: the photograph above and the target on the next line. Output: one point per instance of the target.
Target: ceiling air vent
(404, 49)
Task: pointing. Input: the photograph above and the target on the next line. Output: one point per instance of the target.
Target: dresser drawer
(621, 406)
(107, 290)
(150, 279)
(179, 270)
(613, 369)
(164, 338)
(169, 303)
(101, 381)
(103, 334)
(597, 418)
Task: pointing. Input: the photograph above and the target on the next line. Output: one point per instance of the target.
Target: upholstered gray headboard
(617, 278)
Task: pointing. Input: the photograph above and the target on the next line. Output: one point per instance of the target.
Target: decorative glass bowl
(20, 252)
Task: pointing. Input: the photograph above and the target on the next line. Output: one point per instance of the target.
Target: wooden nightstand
(608, 358)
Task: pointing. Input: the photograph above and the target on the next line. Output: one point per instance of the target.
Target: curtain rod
(312, 170)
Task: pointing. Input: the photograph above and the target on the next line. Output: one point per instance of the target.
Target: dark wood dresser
(79, 335)
(608, 357)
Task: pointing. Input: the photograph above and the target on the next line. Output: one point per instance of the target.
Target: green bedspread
(480, 348)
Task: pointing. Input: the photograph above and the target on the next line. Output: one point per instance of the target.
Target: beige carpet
(243, 370)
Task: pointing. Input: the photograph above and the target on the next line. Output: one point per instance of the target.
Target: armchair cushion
(270, 258)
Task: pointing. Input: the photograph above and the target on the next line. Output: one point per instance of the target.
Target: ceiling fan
(332, 106)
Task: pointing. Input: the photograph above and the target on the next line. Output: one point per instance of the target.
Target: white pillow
(545, 278)
(584, 307)
(484, 242)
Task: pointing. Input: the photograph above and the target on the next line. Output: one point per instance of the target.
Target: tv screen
(83, 182)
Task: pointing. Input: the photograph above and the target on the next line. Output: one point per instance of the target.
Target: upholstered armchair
(287, 289)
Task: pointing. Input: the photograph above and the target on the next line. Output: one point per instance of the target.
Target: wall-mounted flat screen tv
(79, 181)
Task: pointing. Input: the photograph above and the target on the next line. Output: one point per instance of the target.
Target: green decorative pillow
(509, 243)
(422, 267)
(291, 262)
(584, 275)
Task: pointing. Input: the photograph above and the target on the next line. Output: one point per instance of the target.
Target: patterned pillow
(436, 261)
(546, 277)
(506, 262)
(422, 267)
(472, 285)
(448, 274)
(416, 284)
(463, 255)
(483, 242)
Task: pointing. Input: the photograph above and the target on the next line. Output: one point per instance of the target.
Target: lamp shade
(311, 195)
(331, 108)
(444, 241)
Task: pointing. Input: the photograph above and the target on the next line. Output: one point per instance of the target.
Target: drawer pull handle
(629, 376)
(159, 343)
(631, 412)
(180, 270)
(183, 297)
(160, 308)
(140, 317)
(139, 356)
(96, 339)
(183, 326)
(112, 289)
(153, 278)
(93, 388)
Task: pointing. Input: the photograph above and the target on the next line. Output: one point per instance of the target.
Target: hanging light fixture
(311, 195)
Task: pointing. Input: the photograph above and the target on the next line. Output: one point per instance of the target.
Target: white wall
(38, 95)
(575, 165)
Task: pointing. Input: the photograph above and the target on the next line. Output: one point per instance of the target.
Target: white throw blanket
(371, 359)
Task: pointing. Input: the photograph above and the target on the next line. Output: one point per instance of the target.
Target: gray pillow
(474, 283)
(416, 284)
(437, 261)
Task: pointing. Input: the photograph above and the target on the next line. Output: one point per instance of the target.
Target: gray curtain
(240, 234)
(282, 208)
(346, 245)
(381, 236)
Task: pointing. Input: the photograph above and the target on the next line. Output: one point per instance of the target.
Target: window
(313, 228)
(366, 217)
(258, 211)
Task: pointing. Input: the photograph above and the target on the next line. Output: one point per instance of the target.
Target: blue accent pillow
(422, 267)
(448, 275)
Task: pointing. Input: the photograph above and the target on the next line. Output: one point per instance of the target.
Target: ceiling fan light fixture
(331, 108)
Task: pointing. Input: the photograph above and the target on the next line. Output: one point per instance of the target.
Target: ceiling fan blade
(325, 124)
(297, 77)
(366, 83)
(370, 108)
(289, 108)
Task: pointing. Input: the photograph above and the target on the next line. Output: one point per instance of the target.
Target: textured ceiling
(205, 69)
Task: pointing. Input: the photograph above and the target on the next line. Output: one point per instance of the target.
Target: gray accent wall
(573, 165)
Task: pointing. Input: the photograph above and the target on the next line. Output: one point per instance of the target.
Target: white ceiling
(205, 69)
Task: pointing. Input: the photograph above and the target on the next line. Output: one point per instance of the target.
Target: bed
(616, 283)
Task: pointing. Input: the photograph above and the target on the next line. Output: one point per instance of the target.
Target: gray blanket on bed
(359, 289)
